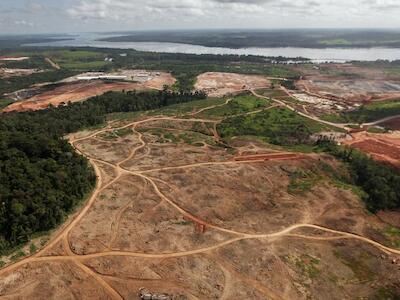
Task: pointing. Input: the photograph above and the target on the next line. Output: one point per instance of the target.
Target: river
(316, 55)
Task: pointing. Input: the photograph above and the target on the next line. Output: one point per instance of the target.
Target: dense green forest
(380, 182)
(41, 177)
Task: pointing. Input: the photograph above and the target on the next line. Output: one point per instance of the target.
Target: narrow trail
(63, 234)
(116, 224)
(211, 107)
(52, 63)
(261, 288)
(112, 292)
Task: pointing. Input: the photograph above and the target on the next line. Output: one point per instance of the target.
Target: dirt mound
(219, 84)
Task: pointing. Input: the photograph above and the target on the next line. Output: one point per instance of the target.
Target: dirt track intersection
(195, 221)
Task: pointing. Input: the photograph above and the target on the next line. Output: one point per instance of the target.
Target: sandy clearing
(217, 84)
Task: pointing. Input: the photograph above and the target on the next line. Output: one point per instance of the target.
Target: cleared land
(383, 147)
(82, 90)
(7, 72)
(219, 84)
(178, 213)
(350, 84)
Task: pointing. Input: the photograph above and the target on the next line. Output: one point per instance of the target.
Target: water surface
(316, 55)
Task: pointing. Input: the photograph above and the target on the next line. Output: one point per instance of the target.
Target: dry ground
(355, 90)
(79, 91)
(349, 83)
(7, 72)
(219, 84)
(382, 147)
(195, 221)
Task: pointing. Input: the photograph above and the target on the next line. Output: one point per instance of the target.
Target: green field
(5, 102)
(367, 113)
(335, 42)
(279, 126)
(78, 59)
(241, 104)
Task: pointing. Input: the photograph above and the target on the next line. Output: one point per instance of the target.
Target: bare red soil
(382, 147)
(273, 156)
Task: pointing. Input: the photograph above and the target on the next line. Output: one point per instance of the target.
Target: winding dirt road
(79, 260)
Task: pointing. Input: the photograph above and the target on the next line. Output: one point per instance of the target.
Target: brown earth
(79, 91)
(7, 72)
(217, 84)
(349, 82)
(382, 147)
(356, 90)
(196, 221)
(392, 124)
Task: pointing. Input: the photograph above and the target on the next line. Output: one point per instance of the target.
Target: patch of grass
(367, 113)
(279, 126)
(43, 242)
(96, 65)
(302, 181)
(307, 264)
(393, 234)
(17, 256)
(32, 248)
(123, 132)
(5, 102)
(239, 105)
(183, 223)
(186, 108)
(272, 93)
(375, 129)
(335, 118)
(78, 59)
(335, 42)
(112, 135)
(353, 188)
(386, 293)
(358, 265)
(2, 263)
(170, 137)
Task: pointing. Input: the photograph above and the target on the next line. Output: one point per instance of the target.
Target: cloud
(131, 10)
(24, 23)
(109, 15)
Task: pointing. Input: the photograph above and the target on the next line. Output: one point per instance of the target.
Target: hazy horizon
(77, 16)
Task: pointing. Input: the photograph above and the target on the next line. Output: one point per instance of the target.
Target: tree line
(380, 182)
(42, 178)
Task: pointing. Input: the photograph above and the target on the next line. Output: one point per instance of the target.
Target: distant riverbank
(316, 55)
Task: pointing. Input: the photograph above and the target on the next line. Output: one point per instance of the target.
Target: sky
(67, 16)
